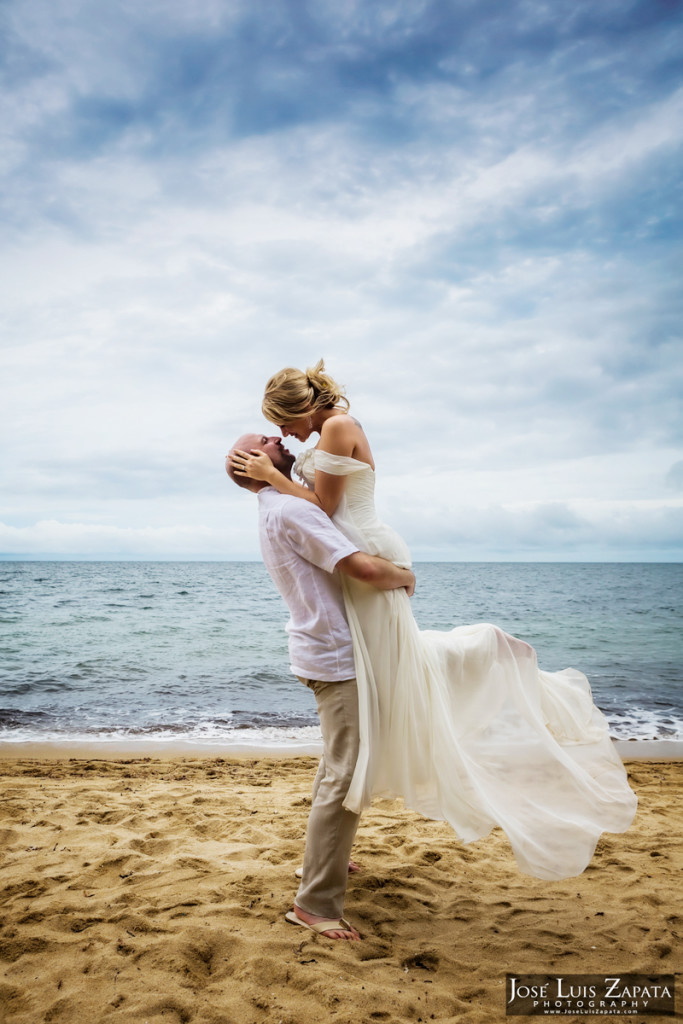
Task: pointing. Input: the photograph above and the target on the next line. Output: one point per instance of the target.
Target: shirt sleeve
(314, 536)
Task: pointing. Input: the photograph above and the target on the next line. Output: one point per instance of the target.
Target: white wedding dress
(462, 724)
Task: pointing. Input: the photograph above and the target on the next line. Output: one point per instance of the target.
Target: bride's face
(301, 429)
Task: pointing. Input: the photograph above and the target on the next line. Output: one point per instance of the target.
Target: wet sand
(153, 891)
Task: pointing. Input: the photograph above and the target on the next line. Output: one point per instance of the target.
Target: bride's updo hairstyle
(291, 394)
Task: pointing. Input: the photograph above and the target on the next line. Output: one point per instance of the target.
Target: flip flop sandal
(322, 926)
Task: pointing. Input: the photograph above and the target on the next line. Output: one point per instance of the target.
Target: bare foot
(333, 933)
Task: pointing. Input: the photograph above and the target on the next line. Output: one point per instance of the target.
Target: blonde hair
(292, 393)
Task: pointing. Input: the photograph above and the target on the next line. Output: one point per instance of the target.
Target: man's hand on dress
(410, 587)
(255, 464)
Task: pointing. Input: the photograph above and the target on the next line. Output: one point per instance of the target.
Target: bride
(462, 725)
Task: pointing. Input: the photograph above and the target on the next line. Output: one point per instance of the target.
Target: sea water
(197, 652)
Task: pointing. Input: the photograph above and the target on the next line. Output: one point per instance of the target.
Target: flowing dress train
(462, 724)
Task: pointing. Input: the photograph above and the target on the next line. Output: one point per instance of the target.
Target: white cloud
(78, 539)
(496, 284)
(436, 530)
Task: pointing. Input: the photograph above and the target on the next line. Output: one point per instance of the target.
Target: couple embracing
(462, 725)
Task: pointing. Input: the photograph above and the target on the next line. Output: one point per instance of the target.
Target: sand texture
(153, 892)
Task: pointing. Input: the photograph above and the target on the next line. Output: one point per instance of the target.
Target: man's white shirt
(301, 547)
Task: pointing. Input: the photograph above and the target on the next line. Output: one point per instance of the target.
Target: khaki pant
(331, 829)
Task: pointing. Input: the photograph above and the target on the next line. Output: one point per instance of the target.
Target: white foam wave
(632, 724)
(302, 739)
(644, 724)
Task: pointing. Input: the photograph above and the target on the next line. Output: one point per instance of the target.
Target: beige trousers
(331, 829)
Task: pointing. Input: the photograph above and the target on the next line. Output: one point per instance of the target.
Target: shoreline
(117, 749)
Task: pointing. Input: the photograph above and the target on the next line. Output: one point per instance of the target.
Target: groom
(304, 553)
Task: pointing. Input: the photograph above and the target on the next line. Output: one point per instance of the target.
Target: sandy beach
(153, 891)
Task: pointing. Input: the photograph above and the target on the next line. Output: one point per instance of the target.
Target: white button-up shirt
(301, 547)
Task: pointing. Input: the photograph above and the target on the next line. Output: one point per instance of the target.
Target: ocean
(144, 652)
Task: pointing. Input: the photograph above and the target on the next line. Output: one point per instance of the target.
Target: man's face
(281, 457)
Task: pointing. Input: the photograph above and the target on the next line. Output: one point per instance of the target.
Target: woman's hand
(255, 464)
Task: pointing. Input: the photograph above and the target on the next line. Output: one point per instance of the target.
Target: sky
(470, 208)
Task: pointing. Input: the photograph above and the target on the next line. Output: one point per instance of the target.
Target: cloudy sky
(470, 208)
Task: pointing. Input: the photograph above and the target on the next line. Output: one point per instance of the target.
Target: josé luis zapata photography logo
(610, 995)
